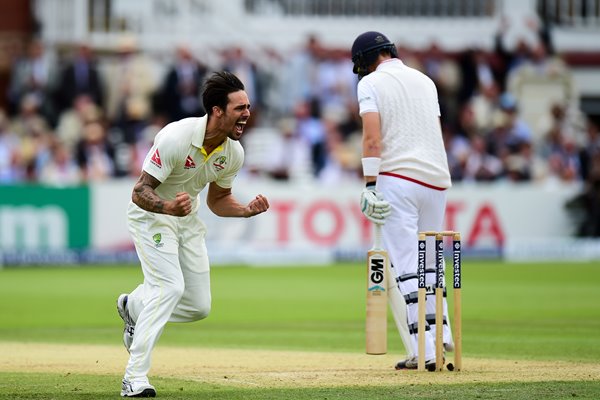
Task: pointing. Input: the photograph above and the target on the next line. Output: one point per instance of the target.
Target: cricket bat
(377, 296)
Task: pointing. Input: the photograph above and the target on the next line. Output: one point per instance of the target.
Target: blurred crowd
(81, 116)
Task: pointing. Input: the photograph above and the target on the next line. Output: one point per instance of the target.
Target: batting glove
(373, 206)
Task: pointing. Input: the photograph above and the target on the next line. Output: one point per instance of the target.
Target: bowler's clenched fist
(182, 205)
(258, 205)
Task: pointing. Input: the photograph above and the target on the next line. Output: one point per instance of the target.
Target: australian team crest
(157, 237)
(220, 163)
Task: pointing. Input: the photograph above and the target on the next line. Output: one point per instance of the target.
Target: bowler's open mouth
(239, 127)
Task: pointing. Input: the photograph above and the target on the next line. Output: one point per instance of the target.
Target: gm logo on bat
(376, 270)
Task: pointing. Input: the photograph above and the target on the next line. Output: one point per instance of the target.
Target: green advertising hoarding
(38, 218)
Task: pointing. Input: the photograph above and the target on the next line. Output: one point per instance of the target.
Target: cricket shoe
(137, 388)
(413, 363)
(129, 323)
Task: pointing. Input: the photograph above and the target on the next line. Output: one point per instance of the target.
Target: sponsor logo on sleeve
(156, 159)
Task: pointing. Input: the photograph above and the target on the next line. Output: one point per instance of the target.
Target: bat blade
(377, 298)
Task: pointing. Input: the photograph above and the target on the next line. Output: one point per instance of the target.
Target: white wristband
(371, 166)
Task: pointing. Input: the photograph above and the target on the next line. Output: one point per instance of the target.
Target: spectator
(291, 158)
(563, 118)
(587, 205)
(144, 142)
(508, 60)
(180, 94)
(485, 105)
(300, 74)
(510, 131)
(11, 169)
(351, 125)
(480, 165)
(72, 120)
(319, 93)
(29, 118)
(541, 81)
(540, 63)
(445, 73)
(560, 143)
(270, 80)
(237, 62)
(476, 72)
(409, 56)
(525, 165)
(457, 148)
(33, 76)
(589, 155)
(95, 155)
(467, 123)
(34, 148)
(125, 133)
(80, 77)
(343, 157)
(131, 76)
(335, 84)
(311, 128)
(59, 168)
(564, 163)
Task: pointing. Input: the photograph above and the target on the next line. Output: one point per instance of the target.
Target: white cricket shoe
(129, 323)
(137, 388)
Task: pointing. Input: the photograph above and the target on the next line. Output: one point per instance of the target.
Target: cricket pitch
(272, 368)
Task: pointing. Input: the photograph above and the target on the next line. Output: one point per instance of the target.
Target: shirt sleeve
(434, 94)
(233, 167)
(367, 100)
(162, 157)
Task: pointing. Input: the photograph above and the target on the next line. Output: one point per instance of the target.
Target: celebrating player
(169, 236)
(406, 174)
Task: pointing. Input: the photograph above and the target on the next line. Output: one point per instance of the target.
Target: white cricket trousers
(176, 285)
(415, 208)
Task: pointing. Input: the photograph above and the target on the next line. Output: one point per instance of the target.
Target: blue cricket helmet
(366, 49)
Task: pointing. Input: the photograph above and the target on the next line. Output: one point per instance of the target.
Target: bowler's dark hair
(217, 88)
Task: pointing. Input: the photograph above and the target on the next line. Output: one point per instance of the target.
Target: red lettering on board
(486, 224)
(309, 222)
(283, 210)
(452, 209)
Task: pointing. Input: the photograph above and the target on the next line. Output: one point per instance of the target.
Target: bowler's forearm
(228, 206)
(144, 195)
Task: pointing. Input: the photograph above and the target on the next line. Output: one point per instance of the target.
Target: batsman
(406, 174)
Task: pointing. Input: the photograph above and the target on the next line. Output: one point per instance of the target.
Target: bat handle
(377, 244)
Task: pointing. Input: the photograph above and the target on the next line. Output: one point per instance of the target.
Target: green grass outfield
(539, 312)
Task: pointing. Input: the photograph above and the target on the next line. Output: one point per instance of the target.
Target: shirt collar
(216, 150)
(388, 63)
(198, 137)
(200, 131)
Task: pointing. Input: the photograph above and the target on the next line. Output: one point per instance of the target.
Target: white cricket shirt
(178, 160)
(407, 103)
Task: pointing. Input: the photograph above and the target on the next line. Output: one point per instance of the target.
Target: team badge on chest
(220, 163)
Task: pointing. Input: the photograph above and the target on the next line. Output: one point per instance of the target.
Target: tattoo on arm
(144, 195)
